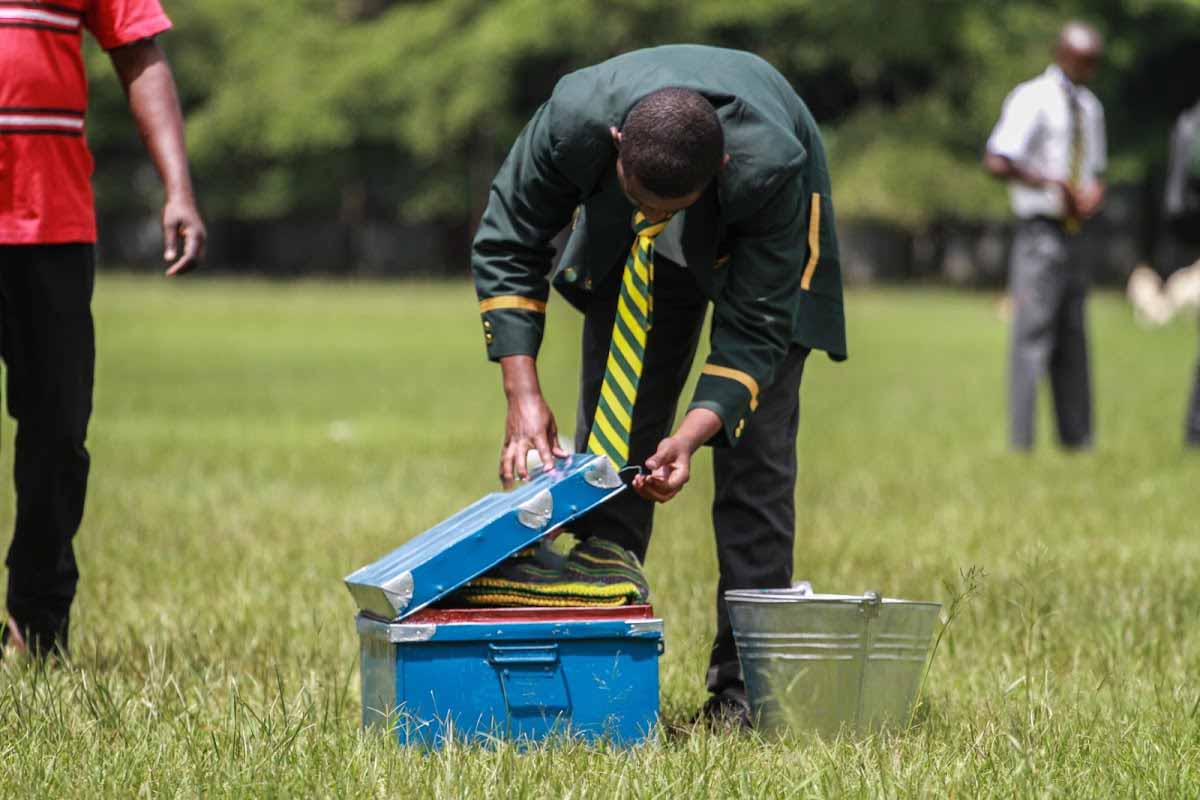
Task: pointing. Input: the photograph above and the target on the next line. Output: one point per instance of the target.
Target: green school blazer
(760, 241)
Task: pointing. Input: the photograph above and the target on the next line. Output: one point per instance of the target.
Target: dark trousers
(754, 503)
(48, 346)
(1180, 248)
(1049, 334)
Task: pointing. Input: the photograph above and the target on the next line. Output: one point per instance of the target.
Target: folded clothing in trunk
(596, 572)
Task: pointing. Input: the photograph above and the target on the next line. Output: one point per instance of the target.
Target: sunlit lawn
(254, 442)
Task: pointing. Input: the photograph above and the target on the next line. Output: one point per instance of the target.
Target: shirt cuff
(510, 330)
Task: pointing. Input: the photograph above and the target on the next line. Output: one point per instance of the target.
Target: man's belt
(1068, 225)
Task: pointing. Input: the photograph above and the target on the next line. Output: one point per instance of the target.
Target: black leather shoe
(728, 708)
(17, 639)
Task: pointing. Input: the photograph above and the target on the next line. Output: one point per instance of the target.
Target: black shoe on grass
(19, 640)
(728, 708)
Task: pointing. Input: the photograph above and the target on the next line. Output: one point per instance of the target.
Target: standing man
(47, 255)
(1049, 145)
(1181, 207)
(696, 175)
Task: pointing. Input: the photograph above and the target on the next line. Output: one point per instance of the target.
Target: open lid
(430, 566)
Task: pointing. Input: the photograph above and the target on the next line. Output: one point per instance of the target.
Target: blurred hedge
(402, 109)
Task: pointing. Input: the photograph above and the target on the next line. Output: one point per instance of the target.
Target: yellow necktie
(635, 308)
(1072, 223)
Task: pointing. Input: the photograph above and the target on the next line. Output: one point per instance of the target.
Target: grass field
(254, 442)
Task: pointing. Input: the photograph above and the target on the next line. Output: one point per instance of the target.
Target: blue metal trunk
(521, 674)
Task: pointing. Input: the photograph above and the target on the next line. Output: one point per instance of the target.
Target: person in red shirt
(47, 269)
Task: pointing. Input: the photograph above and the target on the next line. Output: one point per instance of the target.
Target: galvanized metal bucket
(830, 663)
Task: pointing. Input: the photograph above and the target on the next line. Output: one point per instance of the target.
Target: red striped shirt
(45, 165)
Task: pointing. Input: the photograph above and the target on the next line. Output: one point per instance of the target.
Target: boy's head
(668, 149)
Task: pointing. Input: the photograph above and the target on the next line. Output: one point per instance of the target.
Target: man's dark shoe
(16, 639)
(728, 708)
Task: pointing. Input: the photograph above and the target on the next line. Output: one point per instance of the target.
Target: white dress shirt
(1186, 129)
(1034, 131)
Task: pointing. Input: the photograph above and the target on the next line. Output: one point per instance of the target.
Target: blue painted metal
(517, 674)
(474, 540)
(524, 681)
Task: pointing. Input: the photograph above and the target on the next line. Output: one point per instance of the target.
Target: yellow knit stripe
(512, 301)
(814, 241)
(616, 562)
(580, 589)
(500, 599)
(744, 378)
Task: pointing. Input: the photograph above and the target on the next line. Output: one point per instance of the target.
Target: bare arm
(1005, 168)
(150, 87)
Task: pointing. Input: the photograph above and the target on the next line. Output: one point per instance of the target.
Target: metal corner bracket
(602, 474)
(535, 512)
(399, 591)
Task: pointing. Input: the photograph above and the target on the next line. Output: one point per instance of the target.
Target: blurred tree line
(401, 110)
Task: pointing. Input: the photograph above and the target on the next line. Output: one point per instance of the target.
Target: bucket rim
(777, 596)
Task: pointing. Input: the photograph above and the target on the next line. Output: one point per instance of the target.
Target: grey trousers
(753, 507)
(1049, 289)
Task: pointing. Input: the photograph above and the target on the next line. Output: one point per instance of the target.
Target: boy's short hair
(672, 142)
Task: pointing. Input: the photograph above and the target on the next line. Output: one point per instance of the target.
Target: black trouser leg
(48, 348)
(754, 507)
(679, 309)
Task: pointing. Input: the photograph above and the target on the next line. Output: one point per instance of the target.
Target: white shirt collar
(1054, 71)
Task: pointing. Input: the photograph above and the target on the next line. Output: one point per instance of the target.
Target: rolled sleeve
(116, 23)
(754, 317)
(1018, 122)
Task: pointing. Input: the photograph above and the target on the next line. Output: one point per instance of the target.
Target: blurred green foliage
(403, 109)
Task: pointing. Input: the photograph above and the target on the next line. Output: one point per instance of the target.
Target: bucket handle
(871, 603)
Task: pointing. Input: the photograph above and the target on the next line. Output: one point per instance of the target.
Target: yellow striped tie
(635, 309)
(1073, 223)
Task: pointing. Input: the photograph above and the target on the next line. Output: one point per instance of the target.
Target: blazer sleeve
(754, 316)
(530, 201)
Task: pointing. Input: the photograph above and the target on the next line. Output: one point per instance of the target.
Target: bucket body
(828, 663)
